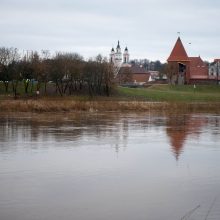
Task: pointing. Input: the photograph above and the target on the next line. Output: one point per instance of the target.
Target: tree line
(67, 73)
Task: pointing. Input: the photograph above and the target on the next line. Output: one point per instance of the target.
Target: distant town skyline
(149, 28)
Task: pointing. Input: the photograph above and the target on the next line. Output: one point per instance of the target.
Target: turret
(118, 55)
(126, 56)
(112, 55)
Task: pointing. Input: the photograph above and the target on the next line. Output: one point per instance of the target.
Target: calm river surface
(109, 166)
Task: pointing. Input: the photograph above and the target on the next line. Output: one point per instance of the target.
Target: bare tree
(8, 56)
(171, 71)
(69, 71)
(125, 75)
(108, 78)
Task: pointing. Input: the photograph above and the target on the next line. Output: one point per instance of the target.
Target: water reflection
(74, 128)
(179, 127)
(109, 128)
(109, 166)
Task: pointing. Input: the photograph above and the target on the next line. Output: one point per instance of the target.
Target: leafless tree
(8, 58)
(171, 71)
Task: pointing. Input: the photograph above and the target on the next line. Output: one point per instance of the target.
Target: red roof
(139, 74)
(216, 60)
(196, 61)
(198, 69)
(135, 69)
(140, 78)
(178, 53)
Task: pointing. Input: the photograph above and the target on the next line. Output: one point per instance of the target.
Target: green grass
(155, 93)
(185, 93)
(20, 89)
(157, 97)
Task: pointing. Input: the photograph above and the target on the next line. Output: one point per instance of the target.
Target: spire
(118, 46)
(113, 49)
(126, 49)
(178, 53)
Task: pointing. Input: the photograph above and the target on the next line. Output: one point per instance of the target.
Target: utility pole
(217, 71)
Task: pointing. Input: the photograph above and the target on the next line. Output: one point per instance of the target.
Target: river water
(109, 166)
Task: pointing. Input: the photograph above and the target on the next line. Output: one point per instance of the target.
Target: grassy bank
(157, 98)
(168, 93)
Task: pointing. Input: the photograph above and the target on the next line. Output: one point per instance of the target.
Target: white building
(116, 57)
(214, 68)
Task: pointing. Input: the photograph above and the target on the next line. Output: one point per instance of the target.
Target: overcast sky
(147, 27)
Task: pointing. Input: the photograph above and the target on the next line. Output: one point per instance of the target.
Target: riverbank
(156, 97)
(67, 105)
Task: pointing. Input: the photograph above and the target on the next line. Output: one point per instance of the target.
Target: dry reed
(47, 105)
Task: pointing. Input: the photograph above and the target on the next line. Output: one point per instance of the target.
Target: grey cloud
(148, 27)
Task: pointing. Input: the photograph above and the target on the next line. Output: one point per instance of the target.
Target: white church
(116, 57)
(139, 74)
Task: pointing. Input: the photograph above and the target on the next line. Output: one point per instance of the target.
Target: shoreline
(62, 105)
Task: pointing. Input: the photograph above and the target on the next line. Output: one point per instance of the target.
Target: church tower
(118, 55)
(126, 56)
(112, 56)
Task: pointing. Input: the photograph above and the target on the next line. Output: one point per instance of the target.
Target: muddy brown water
(109, 166)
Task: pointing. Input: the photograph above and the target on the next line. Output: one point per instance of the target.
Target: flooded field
(109, 166)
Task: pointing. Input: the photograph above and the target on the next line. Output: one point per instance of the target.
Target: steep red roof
(178, 53)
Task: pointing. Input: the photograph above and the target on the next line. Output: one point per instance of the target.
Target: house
(133, 75)
(214, 69)
(184, 69)
(154, 75)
